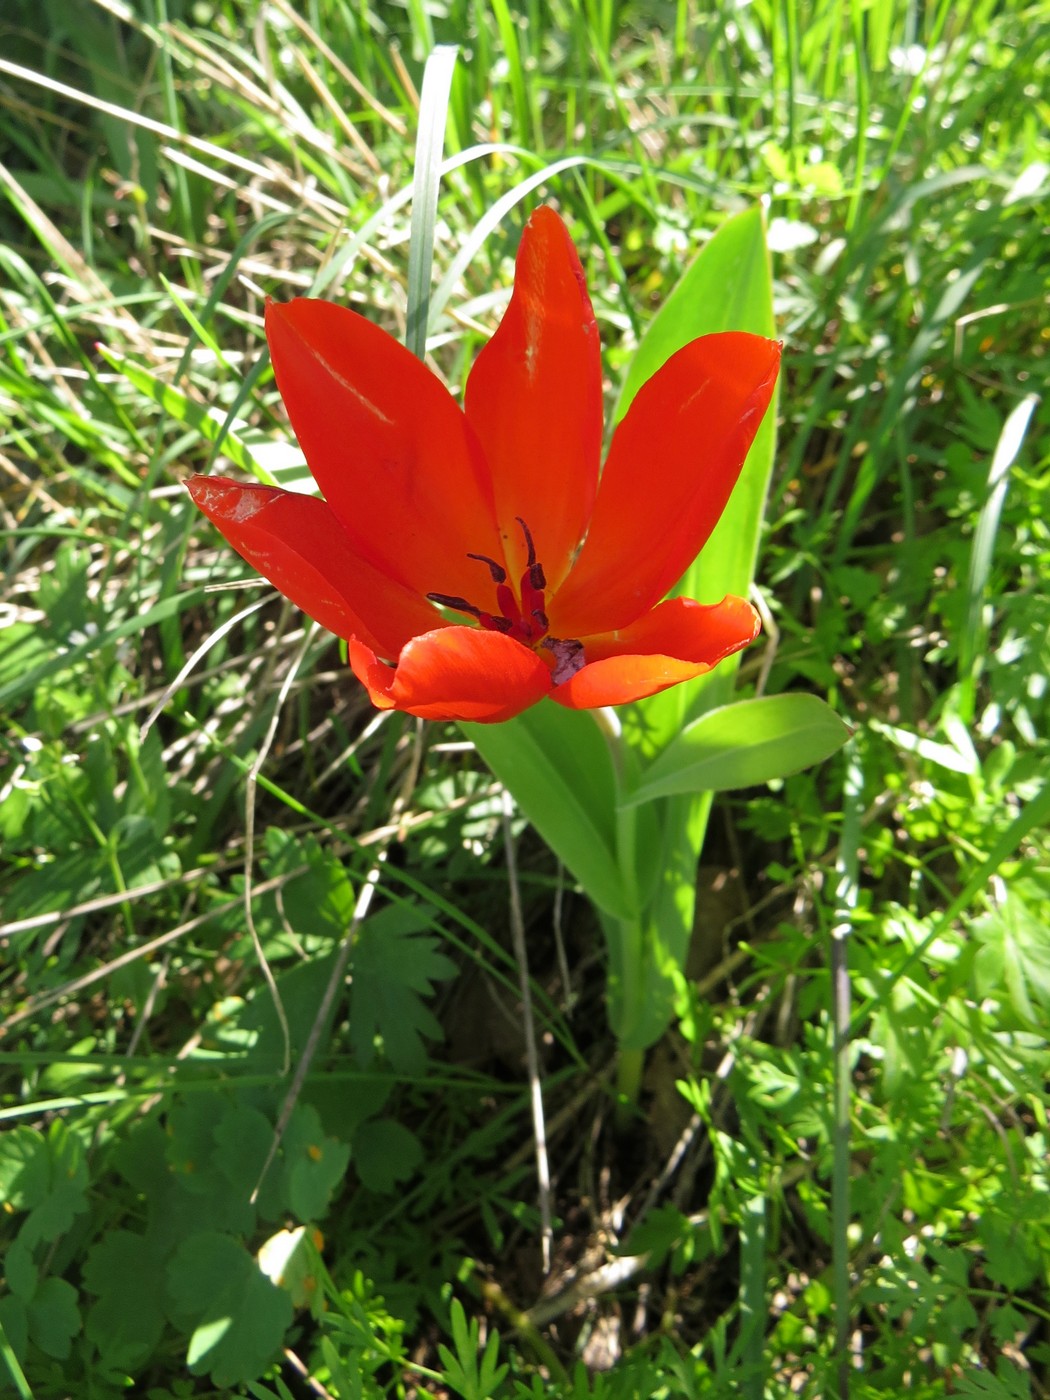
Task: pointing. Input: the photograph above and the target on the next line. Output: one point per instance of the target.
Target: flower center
(520, 615)
(526, 620)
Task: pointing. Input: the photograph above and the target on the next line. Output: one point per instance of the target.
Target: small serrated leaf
(394, 965)
(385, 1153)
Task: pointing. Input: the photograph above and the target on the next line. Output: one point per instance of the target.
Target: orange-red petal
(460, 673)
(534, 397)
(297, 543)
(675, 642)
(388, 445)
(674, 460)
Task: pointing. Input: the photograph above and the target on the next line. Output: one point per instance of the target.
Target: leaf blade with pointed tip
(743, 745)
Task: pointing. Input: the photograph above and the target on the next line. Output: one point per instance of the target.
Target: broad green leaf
(215, 1151)
(25, 1169)
(558, 767)
(14, 1325)
(291, 1260)
(310, 1164)
(315, 902)
(744, 744)
(727, 287)
(1011, 1256)
(21, 1273)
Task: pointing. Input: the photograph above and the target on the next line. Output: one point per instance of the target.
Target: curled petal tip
(455, 673)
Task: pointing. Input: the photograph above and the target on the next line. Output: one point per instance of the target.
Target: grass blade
(971, 643)
(430, 141)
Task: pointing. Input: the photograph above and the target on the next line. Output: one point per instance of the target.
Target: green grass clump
(192, 789)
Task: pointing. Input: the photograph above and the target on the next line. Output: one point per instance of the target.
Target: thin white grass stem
(301, 189)
(492, 218)
(539, 1130)
(202, 650)
(430, 142)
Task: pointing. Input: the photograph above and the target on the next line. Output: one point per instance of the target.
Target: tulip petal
(455, 673)
(676, 641)
(674, 460)
(534, 397)
(388, 445)
(297, 543)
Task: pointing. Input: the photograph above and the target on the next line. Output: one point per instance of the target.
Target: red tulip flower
(477, 559)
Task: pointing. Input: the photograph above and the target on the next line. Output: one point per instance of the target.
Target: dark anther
(499, 574)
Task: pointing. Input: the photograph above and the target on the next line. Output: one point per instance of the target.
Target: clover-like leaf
(45, 1176)
(54, 1317)
(237, 1316)
(127, 1319)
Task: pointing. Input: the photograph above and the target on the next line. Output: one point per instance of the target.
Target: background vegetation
(193, 790)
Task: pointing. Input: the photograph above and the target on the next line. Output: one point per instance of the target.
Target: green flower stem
(629, 1066)
(630, 934)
